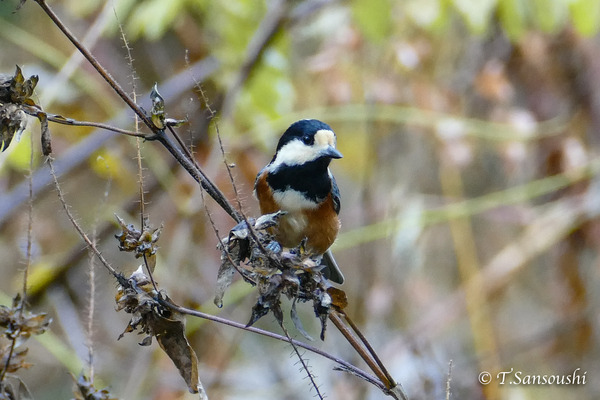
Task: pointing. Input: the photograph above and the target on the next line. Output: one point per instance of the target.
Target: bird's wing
(335, 194)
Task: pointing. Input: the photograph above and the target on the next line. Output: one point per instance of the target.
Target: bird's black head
(305, 141)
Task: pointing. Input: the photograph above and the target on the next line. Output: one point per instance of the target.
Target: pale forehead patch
(325, 137)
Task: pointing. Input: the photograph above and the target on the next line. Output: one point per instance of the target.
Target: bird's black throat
(311, 179)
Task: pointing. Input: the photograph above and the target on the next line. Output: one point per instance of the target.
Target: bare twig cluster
(17, 325)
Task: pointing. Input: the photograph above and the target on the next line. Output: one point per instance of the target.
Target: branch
(97, 66)
(59, 119)
(78, 228)
(366, 352)
(344, 364)
(79, 153)
(159, 134)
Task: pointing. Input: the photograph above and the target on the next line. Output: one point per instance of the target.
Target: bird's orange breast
(319, 225)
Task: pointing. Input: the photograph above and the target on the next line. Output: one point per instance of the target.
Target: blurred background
(470, 203)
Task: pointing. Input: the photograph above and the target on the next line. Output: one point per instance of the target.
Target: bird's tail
(331, 270)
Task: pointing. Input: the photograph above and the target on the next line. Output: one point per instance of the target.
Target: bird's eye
(308, 140)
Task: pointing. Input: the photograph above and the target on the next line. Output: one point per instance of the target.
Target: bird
(298, 181)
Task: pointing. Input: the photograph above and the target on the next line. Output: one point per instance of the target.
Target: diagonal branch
(159, 134)
(344, 364)
(97, 66)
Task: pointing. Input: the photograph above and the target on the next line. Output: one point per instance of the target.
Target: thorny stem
(212, 113)
(302, 362)
(448, 380)
(8, 358)
(78, 228)
(29, 225)
(345, 364)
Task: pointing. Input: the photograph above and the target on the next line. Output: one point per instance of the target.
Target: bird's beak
(332, 152)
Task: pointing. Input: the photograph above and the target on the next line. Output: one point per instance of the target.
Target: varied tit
(298, 181)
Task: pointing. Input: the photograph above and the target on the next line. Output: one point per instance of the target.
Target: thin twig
(368, 346)
(138, 151)
(78, 228)
(366, 352)
(11, 350)
(29, 222)
(91, 306)
(302, 362)
(346, 365)
(212, 115)
(68, 121)
(448, 380)
(337, 321)
(59, 119)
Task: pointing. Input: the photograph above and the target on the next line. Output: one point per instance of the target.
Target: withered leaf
(297, 322)
(85, 390)
(13, 121)
(141, 243)
(17, 359)
(171, 338)
(46, 142)
(268, 300)
(338, 298)
(17, 89)
(151, 317)
(14, 389)
(22, 324)
(224, 279)
(258, 311)
(15, 104)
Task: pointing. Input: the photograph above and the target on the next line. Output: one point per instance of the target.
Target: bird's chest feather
(311, 216)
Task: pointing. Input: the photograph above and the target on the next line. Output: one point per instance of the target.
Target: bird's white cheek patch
(297, 153)
(292, 200)
(294, 153)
